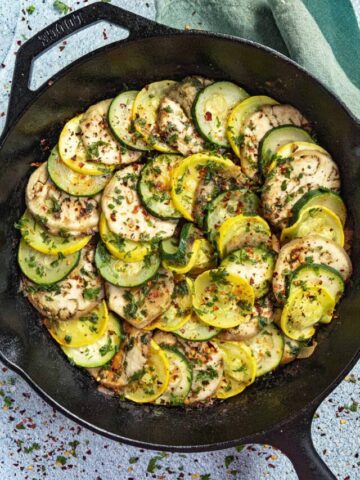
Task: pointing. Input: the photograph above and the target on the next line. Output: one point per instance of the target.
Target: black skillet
(276, 410)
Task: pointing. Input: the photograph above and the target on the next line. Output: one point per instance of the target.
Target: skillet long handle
(294, 439)
(138, 27)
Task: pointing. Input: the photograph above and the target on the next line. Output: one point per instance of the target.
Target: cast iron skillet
(276, 410)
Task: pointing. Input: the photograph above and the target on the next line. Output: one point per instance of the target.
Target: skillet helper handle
(294, 440)
(138, 27)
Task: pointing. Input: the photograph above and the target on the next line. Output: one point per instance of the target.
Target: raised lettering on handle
(58, 30)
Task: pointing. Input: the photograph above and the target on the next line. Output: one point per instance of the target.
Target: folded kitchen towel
(321, 35)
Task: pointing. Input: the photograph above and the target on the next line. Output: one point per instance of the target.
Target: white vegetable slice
(258, 124)
(124, 212)
(311, 249)
(71, 298)
(145, 113)
(97, 137)
(59, 212)
(267, 348)
(289, 180)
(141, 305)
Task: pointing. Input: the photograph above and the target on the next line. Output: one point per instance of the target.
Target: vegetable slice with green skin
(121, 124)
(155, 185)
(186, 177)
(211, 110)
(39, 239)
(296, 148)
(222, 299)
(312, 274)
(238, 117)
(316, 220)
(242, 231)
(304, 309)
(82, 331)
(196, 331)
(145, 111)
(179, 253)
(71, 182)
(229, 204)
(122, 248)
(154, 378)
(239, 368)
(320, 197)
(44, 269)
(276, 138)
(102, 351)
(180, 371)
(254, 264)
(73, 153)
(122, 273)
(267, 348)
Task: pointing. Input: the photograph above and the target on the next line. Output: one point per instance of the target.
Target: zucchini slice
(267, 348)
(73, 153)
(196, 331)
(82, 331)
(39, 239)
(255, 265)
(102, 351)
(311, 249)
(74, 296)
(187, 175)
(287, 182)
(321, 197)
(100, 145)
(179, 311)
(181, 251)
(206, 258)
(211, 110)
(121, 124)
(304, 309)
(141, 305)
(242, 231)
(121, 248)
(145, 113)
(58, 211)
(180, 370)
(275, 139)
(124, 213)
(153, 380)
(317, 220)
(122, 273)
(239, 369)
(239, 115)
(317, 275)
(71, 182)
(208, 367)
(222, 299)
(257, 125)
(154, 186)
(44, 269)
(229, 204)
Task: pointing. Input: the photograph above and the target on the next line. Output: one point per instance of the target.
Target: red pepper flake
(208, 116)
(113, 217)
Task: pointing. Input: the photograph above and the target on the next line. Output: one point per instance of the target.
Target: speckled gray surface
(37, 442)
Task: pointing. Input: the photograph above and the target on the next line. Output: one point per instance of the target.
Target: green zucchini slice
(180, 377)
(125, 274)
(314, 274)
(196, 330)
(71, 182)
(45, 269)
(179, 253)
(102, 351)
(211, 110)
(255, 265)
(320, 197)
(276, 138)
(267, 347)
(229, 204)
(154, 186)
(121, 124)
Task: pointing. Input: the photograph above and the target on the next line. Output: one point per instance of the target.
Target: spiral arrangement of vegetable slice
(183, 239)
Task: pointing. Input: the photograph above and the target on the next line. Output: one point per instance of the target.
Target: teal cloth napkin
(321, 35)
